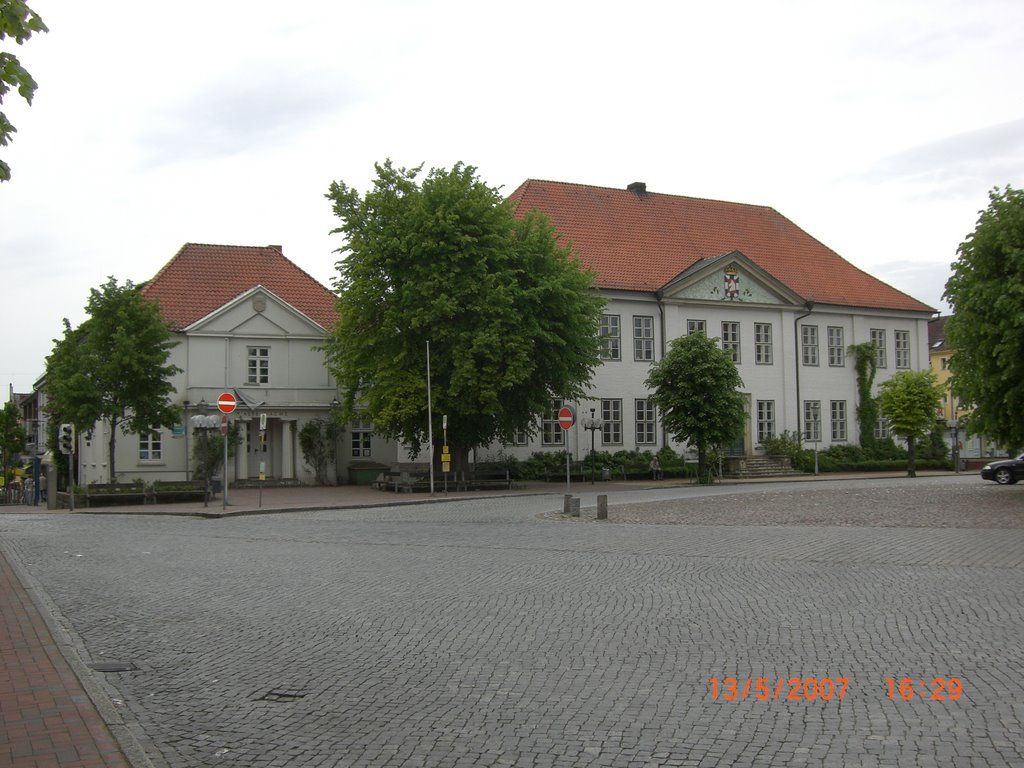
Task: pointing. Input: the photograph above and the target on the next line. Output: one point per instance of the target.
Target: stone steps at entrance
(759, 466)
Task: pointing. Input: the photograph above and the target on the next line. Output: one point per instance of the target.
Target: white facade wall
(214, 355)
(777, 382)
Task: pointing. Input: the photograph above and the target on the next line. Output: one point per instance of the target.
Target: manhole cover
(281, 696)
(112, 666)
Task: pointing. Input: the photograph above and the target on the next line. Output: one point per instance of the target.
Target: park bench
(175, 491)
(402, 480)
(112, 494)
(481, 479)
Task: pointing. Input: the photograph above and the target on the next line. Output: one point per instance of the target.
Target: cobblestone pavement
(496, 633)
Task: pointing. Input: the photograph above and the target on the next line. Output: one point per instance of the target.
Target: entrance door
(742, 445)
(261, 451)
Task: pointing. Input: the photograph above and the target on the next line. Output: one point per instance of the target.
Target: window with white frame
(836, 347)
(881, 428)
(878, 339)
(611, 337)
(643, 338)
(838, 419)
(151, 447)
(765, 420)
(809, 344)
(520, 437)
(362, 432)
(763, 343)
(901, 346)
(551, 432)
(696, 326)
(812, 420)
(259, 365)
(646, 422)
(731, 340)
(611, 416)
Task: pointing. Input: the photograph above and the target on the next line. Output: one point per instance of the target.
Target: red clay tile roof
(639, 241)
(201, 278)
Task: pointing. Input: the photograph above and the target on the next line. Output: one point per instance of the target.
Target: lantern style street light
(592, 425)
(204, 423)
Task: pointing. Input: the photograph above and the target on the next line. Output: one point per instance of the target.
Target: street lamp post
(592, 425)
(956, 444)
(203, 424)
(816, 433)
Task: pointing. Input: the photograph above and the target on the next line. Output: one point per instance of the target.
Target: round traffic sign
(566, 417)
(226, 402)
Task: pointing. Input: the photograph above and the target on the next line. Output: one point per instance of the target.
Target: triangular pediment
(257, 312)
(728, 278)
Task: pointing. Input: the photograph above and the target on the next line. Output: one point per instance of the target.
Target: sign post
(226, 403)
(566, 418)
(263, 464)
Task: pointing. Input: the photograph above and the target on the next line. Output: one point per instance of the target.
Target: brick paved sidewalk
(46, 717)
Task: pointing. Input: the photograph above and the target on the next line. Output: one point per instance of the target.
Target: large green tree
(508, 313)
(986, 330)
(697, 389)
(13, 437)
(909, 401)
(114, 366)
(19, 22)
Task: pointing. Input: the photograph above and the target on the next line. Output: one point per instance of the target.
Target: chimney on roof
(638, 188)
(279, 248)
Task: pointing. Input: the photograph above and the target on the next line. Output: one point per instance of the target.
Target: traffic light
(66, 438)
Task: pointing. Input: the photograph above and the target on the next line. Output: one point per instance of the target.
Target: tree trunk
(702, 461)
(911, 457)
(111, 446)
(460, 467)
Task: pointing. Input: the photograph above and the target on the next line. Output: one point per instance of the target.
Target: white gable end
(257, 312)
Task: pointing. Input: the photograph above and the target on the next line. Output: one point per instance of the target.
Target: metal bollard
(602, 507)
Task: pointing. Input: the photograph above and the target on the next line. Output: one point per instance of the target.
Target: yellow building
(952, 410)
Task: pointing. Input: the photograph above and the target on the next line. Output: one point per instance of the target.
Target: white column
(242, 452)
(287, 450)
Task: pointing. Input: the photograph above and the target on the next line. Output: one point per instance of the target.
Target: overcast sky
(878, 127)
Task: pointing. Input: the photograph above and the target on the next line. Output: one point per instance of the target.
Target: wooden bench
(113, 494)
(175, 491)
(488, 478)
(401, 480)
(579, 471)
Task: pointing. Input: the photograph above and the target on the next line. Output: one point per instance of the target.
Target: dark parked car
(1006, 472)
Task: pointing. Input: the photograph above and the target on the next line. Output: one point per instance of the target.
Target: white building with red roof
(249, 322)
(785, 305)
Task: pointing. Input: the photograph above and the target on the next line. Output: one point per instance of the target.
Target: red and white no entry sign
(566, 417)
(226, 402)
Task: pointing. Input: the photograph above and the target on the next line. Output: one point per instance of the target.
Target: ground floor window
(362, 431)
(812, 420)
(611, 416)
(765, 420)
(151, 447)
(646, 422)
(551, 432)
(838, 419)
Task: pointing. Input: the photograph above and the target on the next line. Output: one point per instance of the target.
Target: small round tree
(696, 388)
(909, 400)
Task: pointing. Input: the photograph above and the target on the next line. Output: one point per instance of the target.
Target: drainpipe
(809, 306)
(664, 347)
